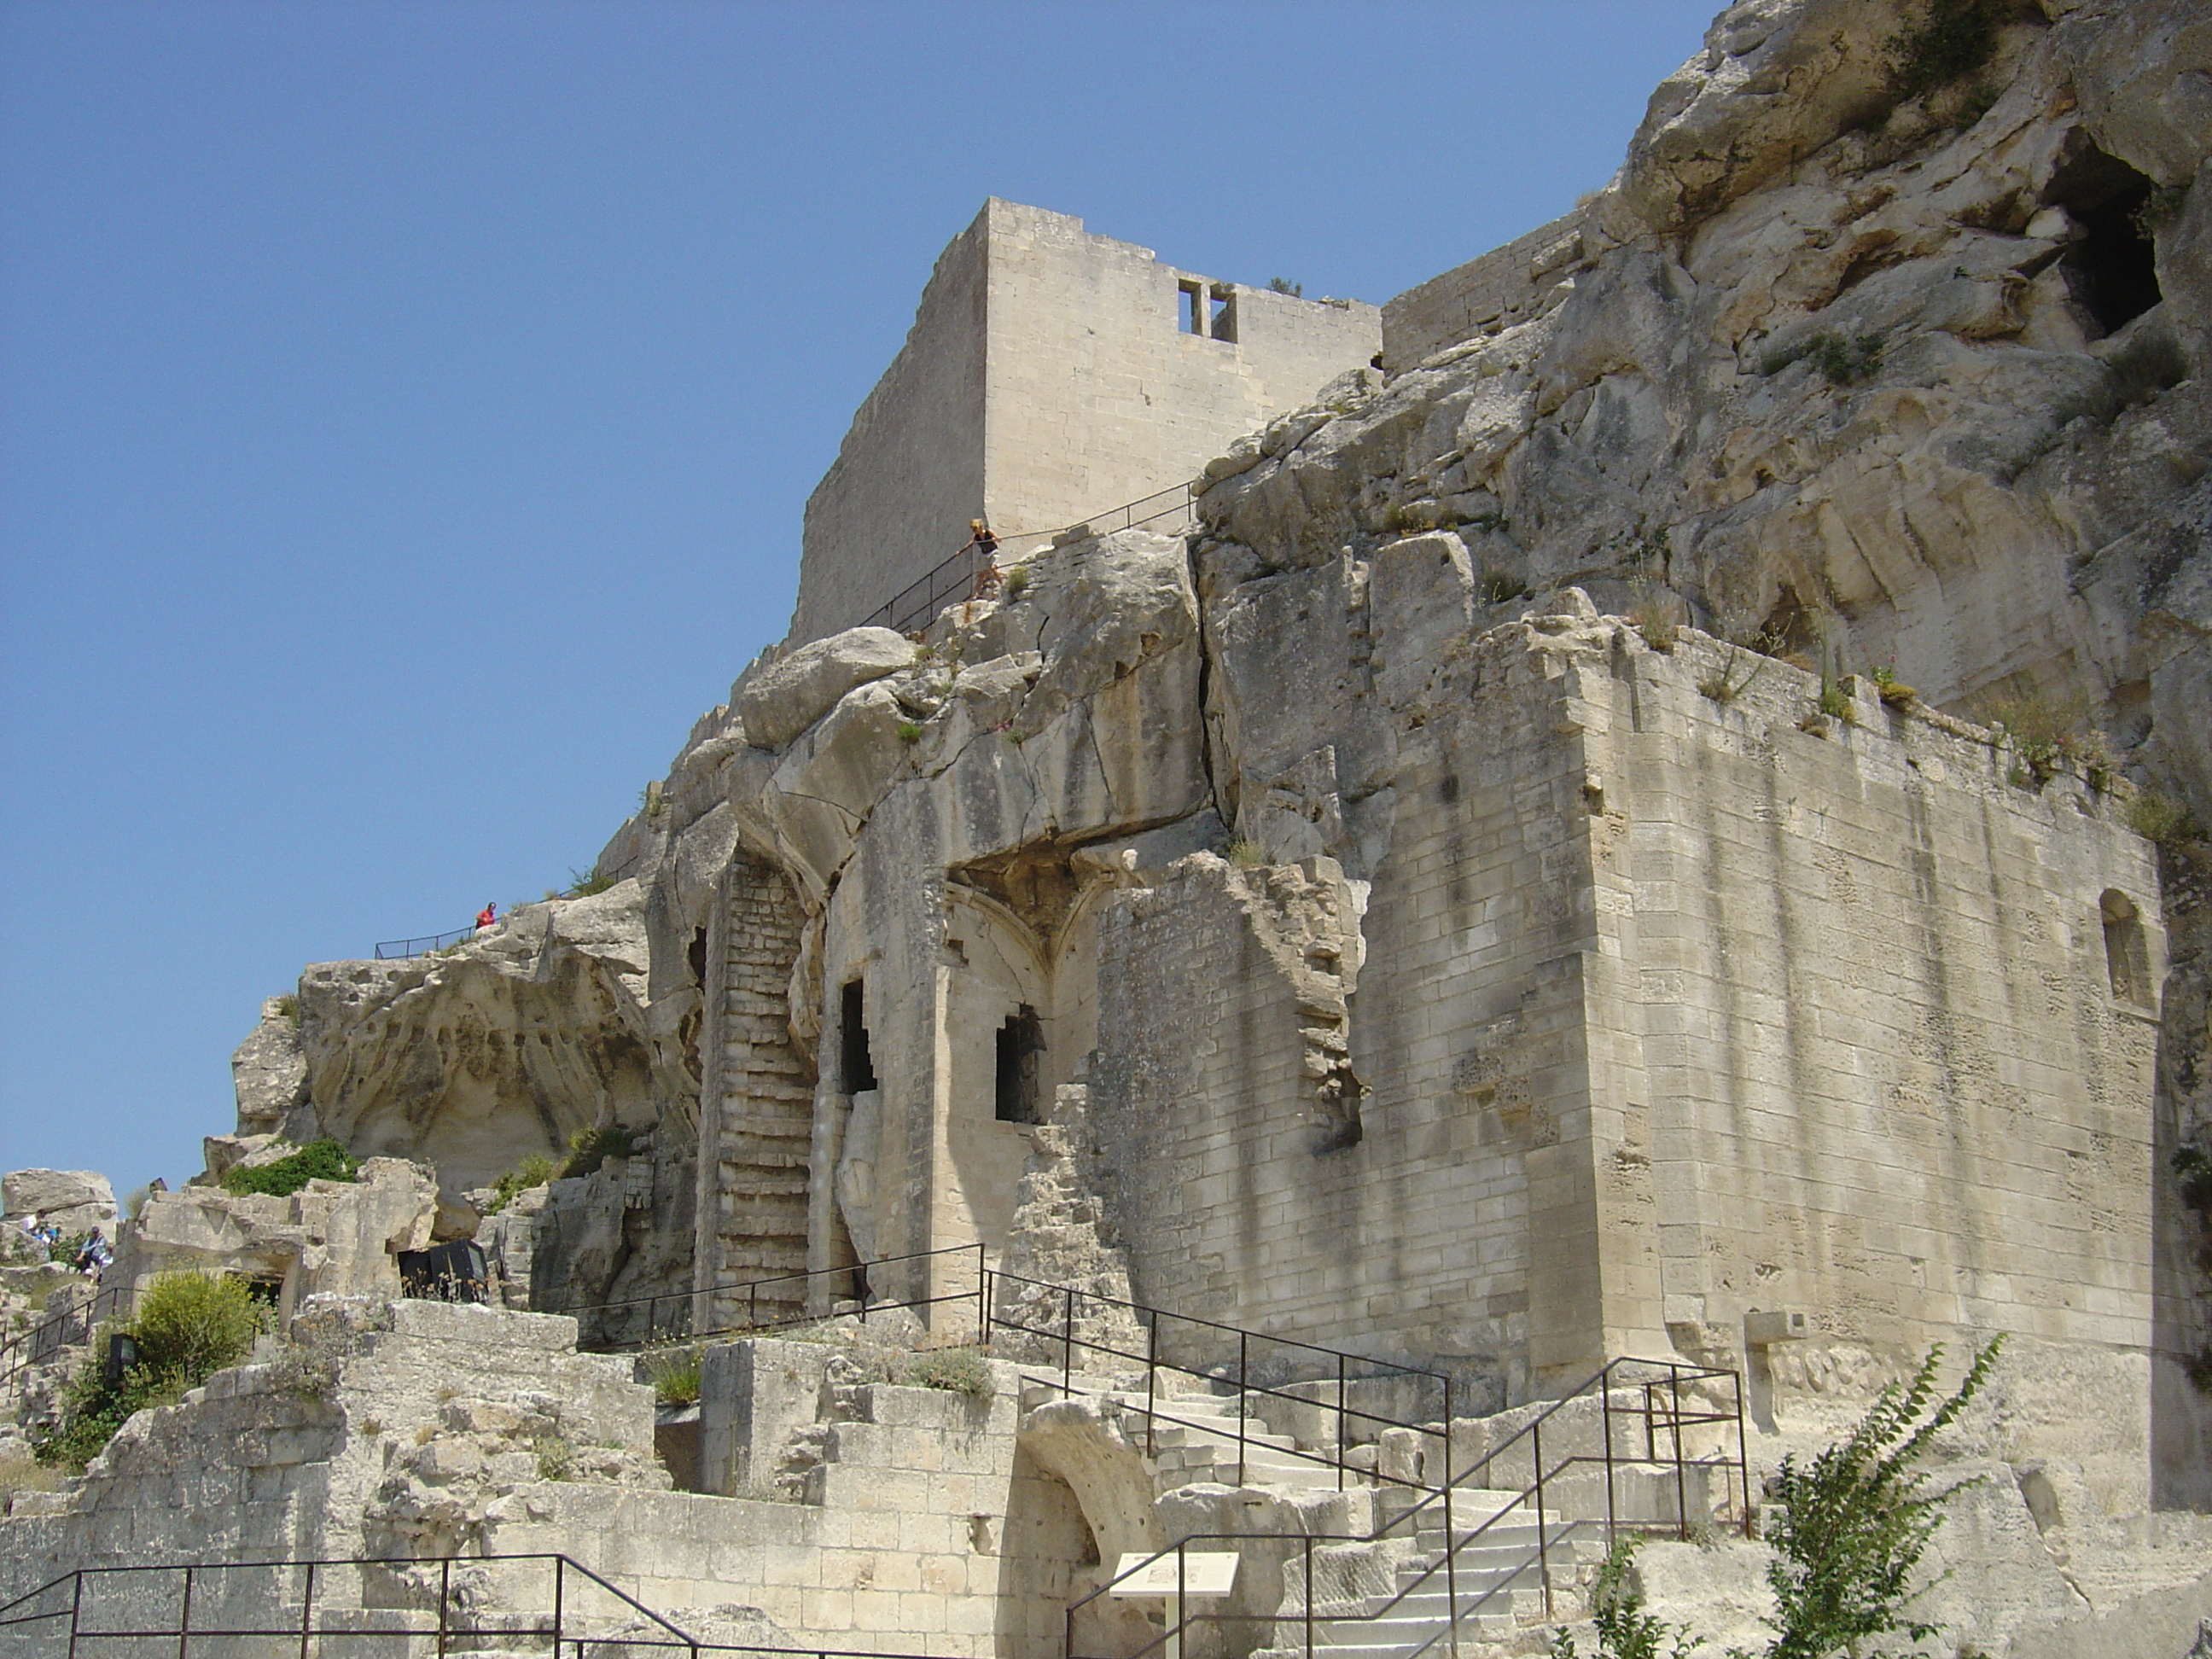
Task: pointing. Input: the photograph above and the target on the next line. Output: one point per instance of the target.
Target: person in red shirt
(487, 915)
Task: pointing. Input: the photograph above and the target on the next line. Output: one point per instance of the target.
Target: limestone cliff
(1868, 357)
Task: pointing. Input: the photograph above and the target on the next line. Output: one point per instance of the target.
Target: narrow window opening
(856, 1070)
(2113, 271)
(1190, 307)
(1221, 320)
(2127, 953)
(1021, 1048)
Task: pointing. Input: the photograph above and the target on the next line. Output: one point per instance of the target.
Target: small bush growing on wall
(319, 1160)
(188, 1327)
(2163, 819)
(534, 1170)
(590, 1148)
(674, 1373)
(961, 1370)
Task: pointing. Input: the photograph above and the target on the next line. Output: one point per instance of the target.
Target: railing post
(76, 1606)
(1605, 1411)
(983, 1296)
(1451, 1564)
(307, 1611)
(1152, 1375)
(1243, 1352)
(1068, 1345)
(1340, 1447)
(1681, 1475)
(560, 1584)
(184, 1623)
(1742, 1459)
(1543, 1553)
(445, 1585)
(1310, 1595)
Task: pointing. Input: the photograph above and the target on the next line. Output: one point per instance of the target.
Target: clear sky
(406, 410)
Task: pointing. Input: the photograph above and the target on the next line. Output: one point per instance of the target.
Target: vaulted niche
(2112, 271)
(2127, 953)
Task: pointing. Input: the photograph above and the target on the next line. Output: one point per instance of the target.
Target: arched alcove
(2127, 951)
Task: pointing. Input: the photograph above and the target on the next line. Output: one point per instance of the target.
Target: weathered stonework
(1485, 914)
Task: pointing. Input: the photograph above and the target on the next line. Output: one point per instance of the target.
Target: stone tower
(1051, 376)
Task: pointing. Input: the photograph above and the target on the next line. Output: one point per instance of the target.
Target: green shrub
(1850, 1527)
(319, 1160)
(1837, 703)
(960, 1370)
(1625, 1631)
(590, 1148)
(1284, 285)
(2163, 819)
(909, 732)
(188, 1327)
(1246, 854)
(288, 1007)
(534, 1170)
(1950, 40)
(674, 1373)
(2192, 1170)
(584, 885)
(64, 1250)
(1015, 581)
(1497, 587)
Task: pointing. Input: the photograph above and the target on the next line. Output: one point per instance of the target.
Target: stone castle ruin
(1632, 808)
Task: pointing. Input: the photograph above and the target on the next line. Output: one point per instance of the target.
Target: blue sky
(406, 410)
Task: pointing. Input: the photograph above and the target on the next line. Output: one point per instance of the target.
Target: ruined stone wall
(1494, 291)
(1098, 394)
(909, 473)
(1047, 379)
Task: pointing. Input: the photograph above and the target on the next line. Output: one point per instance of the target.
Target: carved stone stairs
(1497, 1577)
(1194, 1438)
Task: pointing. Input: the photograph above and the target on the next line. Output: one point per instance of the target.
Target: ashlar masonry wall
(1673, 1012)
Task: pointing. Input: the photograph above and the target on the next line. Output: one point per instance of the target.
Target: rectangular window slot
(1190, 308)
(856, 1072)
(1221, 320)
(1021, 1049)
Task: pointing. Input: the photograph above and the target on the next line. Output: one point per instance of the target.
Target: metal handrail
(920, 600)
(753, 1287)
(1672, 1420)
(558, 1626)
(398, 950)
(25, 1348)
(1152, 1318)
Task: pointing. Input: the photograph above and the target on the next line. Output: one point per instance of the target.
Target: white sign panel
(1204, 1572)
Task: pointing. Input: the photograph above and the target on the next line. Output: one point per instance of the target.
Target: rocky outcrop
(75, 1200)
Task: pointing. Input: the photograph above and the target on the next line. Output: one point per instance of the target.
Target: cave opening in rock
(2112, 271)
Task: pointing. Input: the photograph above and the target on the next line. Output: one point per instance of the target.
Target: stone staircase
(1497, 1577)
(761, 1121)
(1194, 1438)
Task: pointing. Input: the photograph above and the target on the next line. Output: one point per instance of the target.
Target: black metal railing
(202, 1602)
(954, 577)
(1655, 1403)
(65, 1328)
(397, 949)
(771, 1303)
